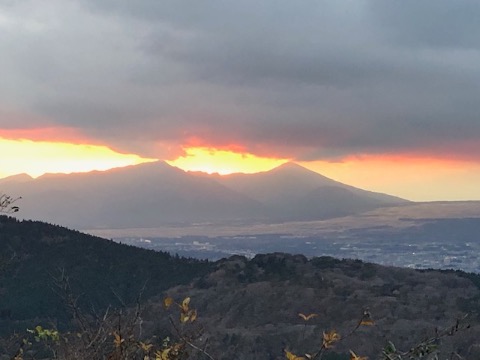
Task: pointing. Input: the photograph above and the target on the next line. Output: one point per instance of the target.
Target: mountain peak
(290, 166)
(16, 178)
(294, 168)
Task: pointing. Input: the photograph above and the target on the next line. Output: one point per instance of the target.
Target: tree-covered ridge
(101, 271)
(247, 308)
(251, 308)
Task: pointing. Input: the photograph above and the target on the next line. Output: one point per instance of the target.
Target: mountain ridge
(152, 194)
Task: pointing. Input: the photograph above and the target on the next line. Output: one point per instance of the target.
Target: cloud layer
(309, 80)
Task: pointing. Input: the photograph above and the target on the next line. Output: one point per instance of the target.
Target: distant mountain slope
(16, 179)
(154, 194)
(295, 193)
(282, 184)
(33, 253)
(292, 181)
(145, 195)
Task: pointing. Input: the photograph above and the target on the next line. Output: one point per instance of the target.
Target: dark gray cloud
(310, 79)
(439, 24)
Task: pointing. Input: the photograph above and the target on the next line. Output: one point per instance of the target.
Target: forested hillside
(245, 309)
(251, 308)
(101, 272)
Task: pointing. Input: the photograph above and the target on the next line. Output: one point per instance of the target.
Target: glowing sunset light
(223, 162)
(411, 177)
(39, 157)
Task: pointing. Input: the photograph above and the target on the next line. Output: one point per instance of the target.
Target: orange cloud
(50, 134)
(195, 142)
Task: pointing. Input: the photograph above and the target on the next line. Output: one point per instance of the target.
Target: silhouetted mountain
(293, 192)
(16, 179)
(152, 194)
(145, 195)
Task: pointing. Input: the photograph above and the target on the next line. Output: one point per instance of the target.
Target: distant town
(440, 244)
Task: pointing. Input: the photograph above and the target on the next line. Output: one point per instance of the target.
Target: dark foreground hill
(247, 308)
(101, 272)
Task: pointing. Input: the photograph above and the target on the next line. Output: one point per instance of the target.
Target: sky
(380, 94)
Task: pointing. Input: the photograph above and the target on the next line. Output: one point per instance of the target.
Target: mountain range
(153, 194)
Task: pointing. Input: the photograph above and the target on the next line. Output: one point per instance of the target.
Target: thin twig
(188, 342)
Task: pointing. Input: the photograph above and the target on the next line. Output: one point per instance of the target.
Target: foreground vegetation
(118, 337)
